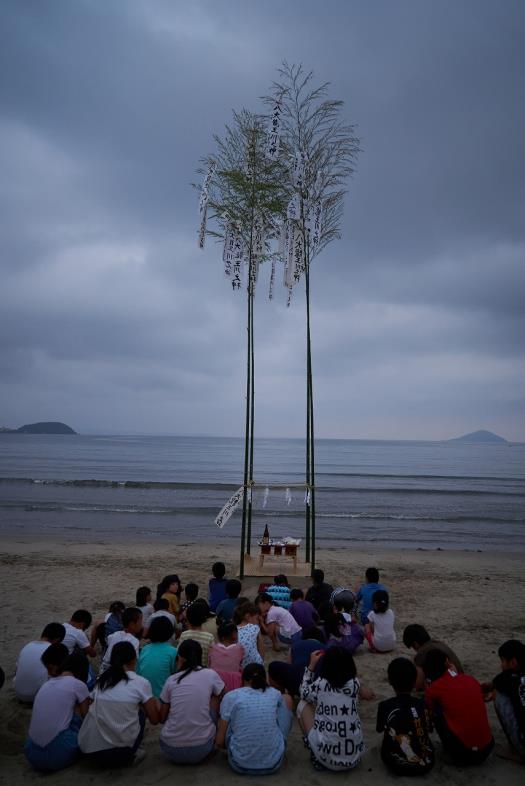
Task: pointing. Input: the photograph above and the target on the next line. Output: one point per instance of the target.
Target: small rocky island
(481, 437)
(53, 427)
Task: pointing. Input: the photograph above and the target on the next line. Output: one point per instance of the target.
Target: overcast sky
(113, 321)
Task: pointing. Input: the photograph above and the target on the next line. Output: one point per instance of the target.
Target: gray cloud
(111, 319)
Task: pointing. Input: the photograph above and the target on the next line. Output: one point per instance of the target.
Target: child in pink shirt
(225, 657)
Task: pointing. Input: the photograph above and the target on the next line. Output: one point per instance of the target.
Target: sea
(428, 495)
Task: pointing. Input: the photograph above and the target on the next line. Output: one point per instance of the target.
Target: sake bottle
(266, 536)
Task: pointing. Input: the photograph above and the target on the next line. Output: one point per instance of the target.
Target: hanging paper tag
(266, 495)
(274, 132)
(230, 508)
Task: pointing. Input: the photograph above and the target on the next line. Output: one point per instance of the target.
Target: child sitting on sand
(226, 656)
(157, 660)
(459, 712)
(195, 616)
(508, 692)
(131, 632)
(302, 610)
(217, 585)
(59, 707)
(277, 623)
(280, 591)
(31, 673)
(327, 711)
(143, 601)
(379, 630)
(226, 607)
(191, 592)
(75, 636)
(246, 617)
(365, 593)
(405, 724)
(170, 589)
(161, 607)
(341, 633)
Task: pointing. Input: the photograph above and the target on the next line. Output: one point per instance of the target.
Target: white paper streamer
(203, 202)
(274, 132)
(317, 224)
(289, 257)
(298, 253)
(230, 508)
(229, 249)
(288, 496)
(307, 497)
(266, 495)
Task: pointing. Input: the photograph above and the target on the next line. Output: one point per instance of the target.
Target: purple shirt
(304, 614)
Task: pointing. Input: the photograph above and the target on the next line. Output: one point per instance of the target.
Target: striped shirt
(204, 638)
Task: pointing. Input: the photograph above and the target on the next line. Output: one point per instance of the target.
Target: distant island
(40, 428)
(481, 437)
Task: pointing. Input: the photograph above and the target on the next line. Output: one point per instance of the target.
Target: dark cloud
(112, 319)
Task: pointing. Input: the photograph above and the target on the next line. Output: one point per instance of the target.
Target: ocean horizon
(390, 493)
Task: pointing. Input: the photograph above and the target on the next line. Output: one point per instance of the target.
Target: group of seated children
(197, 668)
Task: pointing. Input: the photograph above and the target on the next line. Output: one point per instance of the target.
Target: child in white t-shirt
(59, 707)
(277, 622)
(132, 622)
(75, 637)
(30, 671)
(379, 630)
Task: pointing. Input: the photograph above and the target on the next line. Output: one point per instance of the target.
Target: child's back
(405, 723)
(365, 593)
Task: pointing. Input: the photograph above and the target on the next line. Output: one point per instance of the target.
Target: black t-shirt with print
(512, 684)
(405, 723)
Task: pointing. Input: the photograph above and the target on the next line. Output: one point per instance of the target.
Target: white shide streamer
(274, 132)
(230, 508)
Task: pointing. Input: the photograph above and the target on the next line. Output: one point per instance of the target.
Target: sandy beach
(474, 601)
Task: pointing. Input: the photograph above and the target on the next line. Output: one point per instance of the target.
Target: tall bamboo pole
(247, 432)
(310, 414)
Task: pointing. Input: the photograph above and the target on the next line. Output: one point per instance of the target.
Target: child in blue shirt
(217, 585)
(158, 659)
(365, 594)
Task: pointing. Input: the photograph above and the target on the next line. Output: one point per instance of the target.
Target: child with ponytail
(114, 726)
(189, 702)
(379, 630)
(254, 724)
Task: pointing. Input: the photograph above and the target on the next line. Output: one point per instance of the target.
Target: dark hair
(281, 580)
(264, 597)
(435, 664)
(242, 609)
(402, 675)
(318, 576)
(372, 575)
(380, 599)
(78, 664)
(191, 591)
(130, 615)
(219, 570)
(314, 633)
(337, 667)
(160, 630)
(204, 603)
(513, 649)
(233, 588)
(333, 624)
(82, 616)
(196, 614)
(55, 655)
(122, 654)
(117, 608)
(343, 600)
(165, 583)
(161, 604)
(191, 652)
(296, 594)
(255, 674)
(226, 631)
(415, 634)
(54, 630)
(142, 594)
